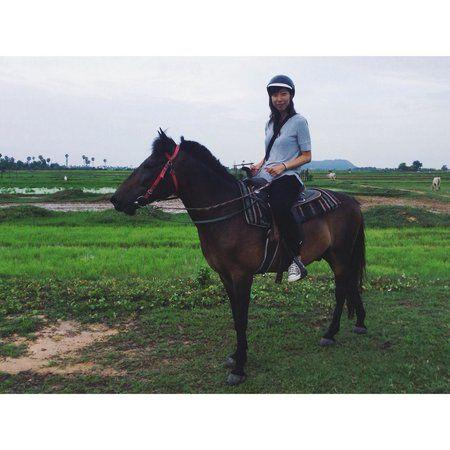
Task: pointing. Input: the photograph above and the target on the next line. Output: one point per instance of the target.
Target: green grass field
(379, 183)
(46, 249)
(76, 179)
(148, 278)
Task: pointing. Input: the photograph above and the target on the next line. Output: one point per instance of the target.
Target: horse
(232, 247)
(436, 184)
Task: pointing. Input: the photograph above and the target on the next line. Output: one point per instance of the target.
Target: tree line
(414, 167)
(40, 163)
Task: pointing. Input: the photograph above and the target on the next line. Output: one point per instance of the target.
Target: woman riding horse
(235, 249)
(288, 147)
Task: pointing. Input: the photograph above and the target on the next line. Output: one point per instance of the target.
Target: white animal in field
(65, 178)
(436, 184)
(331, 176)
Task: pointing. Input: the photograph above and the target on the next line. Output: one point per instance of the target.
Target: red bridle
(162, 174)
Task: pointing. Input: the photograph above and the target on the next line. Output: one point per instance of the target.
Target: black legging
(282, 194)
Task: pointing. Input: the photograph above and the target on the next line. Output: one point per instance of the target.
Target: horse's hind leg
(340, 265)
(340, 292)
(346, 288)
(356, 301)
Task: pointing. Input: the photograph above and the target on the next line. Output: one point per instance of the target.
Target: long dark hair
(275, 116)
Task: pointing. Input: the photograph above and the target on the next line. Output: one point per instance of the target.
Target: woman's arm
(304, 158)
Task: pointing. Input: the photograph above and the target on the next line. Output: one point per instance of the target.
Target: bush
(403, 216)
(24, 212)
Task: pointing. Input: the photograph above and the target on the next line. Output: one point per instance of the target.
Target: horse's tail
(357, 269)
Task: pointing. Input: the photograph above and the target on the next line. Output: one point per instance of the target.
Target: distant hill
(330, 164)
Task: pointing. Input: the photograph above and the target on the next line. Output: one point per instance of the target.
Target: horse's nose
(113, 200)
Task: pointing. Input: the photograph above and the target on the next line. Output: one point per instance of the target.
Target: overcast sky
(372, 111)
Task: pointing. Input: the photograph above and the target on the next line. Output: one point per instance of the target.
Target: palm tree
(67, 159)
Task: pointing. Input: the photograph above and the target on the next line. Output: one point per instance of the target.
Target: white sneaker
(294, 273)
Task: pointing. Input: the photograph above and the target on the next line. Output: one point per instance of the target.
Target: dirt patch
(60, 340)
(65, 207)
(173, 206)
(176, 206)
(430, 205)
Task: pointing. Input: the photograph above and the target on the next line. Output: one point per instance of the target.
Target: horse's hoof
(360, 330)
(325, 342)
(234, 380)
(230, 362)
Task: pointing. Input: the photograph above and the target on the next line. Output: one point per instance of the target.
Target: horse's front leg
(238, 288)
(230, 362)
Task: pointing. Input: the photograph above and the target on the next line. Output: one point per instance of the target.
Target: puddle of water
(43, 190)
(100, 190)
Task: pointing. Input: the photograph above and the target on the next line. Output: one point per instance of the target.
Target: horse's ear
(162, 143)
(162, 134)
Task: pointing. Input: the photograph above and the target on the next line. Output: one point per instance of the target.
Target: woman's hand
(274, 171)
(255, 168)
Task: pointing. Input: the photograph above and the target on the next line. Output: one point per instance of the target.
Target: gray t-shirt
(293, 140)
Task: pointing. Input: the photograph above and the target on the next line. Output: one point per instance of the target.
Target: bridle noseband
(141, 200)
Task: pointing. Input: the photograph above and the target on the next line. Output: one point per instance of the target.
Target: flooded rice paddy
(45, 191)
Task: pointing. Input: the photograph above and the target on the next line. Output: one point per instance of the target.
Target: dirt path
(169, 206)
(176, 206)
(430, 205)
(62, 339)
(65, 207)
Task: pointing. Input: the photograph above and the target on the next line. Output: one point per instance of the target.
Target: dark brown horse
(235, 249)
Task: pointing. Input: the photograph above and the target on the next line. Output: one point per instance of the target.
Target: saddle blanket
(255, 207)
(307, 210)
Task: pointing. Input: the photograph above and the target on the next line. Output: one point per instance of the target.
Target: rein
(217, 219)
(141, 200)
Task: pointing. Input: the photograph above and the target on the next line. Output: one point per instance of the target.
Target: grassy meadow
(146, 277)
(76, 179)
(379, 183)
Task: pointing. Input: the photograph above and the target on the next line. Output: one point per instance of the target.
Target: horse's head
(133, 192)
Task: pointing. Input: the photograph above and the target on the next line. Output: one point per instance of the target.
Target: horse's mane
(164, 144)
